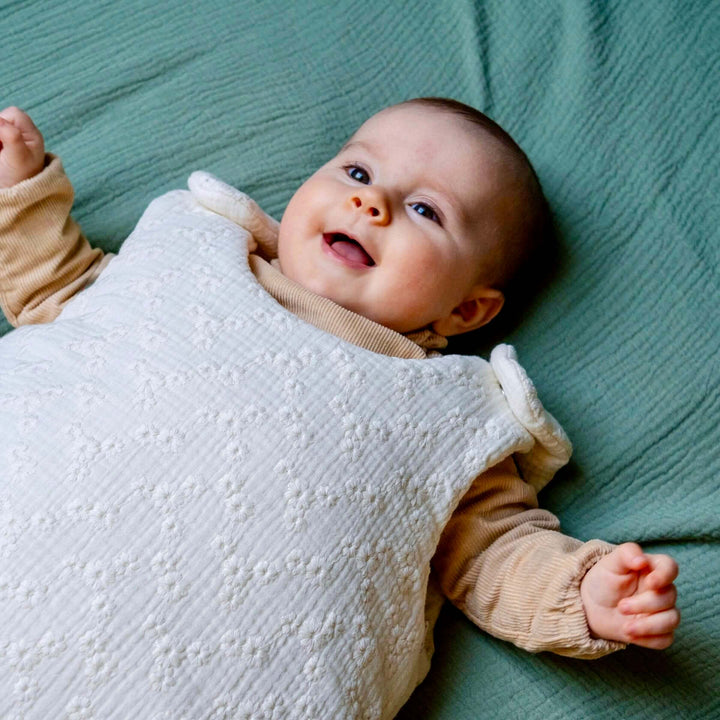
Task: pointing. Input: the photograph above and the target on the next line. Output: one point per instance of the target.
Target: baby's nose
(373, 204)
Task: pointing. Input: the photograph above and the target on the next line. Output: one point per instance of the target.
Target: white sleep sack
(210, 508)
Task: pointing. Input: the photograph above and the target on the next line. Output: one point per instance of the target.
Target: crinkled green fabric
(616, 103)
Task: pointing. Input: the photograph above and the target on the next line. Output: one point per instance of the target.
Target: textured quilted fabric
(615, 102)
(240, 519)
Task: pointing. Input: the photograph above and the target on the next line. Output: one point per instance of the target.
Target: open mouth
(348, 248)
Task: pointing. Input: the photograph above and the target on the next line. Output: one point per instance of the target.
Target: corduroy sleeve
(506, 565)
(44, 258)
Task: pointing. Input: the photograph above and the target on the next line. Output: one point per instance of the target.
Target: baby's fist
(22, 150)
(629, 596)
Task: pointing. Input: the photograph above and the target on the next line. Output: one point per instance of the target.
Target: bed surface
(617, 105)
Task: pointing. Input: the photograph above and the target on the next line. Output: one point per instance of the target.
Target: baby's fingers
(657, 642)
(646, 626)
(10, 133)
(650, 601)
(21, 120)
(22, 149)
(664, 571)
(625, 558)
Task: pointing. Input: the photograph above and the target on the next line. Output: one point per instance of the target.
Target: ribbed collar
(343, 323)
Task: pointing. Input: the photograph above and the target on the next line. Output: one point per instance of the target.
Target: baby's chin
(339, 291)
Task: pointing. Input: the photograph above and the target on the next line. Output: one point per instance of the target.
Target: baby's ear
(478, 308)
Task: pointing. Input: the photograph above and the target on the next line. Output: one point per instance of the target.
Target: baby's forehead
(415, 119)
(429, 132)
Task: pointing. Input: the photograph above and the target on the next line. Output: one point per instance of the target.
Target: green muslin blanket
(618, 107)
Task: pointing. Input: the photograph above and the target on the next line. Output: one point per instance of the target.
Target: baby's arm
(504, 563)
(44, 258)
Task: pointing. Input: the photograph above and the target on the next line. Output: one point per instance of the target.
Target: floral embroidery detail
(79, 708)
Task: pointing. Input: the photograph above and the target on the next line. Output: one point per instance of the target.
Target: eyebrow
(359, 143)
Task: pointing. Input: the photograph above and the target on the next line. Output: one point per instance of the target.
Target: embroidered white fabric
(212, 509)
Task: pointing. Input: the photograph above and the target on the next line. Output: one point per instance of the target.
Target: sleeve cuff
(38, 186)
(567, 622)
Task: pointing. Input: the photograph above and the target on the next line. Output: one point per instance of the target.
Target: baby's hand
(22, 150)
(630, 597)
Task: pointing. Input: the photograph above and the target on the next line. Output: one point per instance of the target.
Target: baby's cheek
(419, 299)
(430, 280)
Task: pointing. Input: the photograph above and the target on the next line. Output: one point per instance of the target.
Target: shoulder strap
(552, 447)
(235, 205)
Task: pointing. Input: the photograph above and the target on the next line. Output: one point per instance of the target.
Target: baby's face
(392, 227)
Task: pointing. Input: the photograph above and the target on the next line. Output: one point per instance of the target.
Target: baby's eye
(357, 173)
(426, 211)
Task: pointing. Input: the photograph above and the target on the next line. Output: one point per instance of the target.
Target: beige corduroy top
(500, 559)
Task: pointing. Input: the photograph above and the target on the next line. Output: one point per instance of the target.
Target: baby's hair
(534, 227)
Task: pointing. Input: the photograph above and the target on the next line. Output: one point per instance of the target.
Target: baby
(407, 236)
